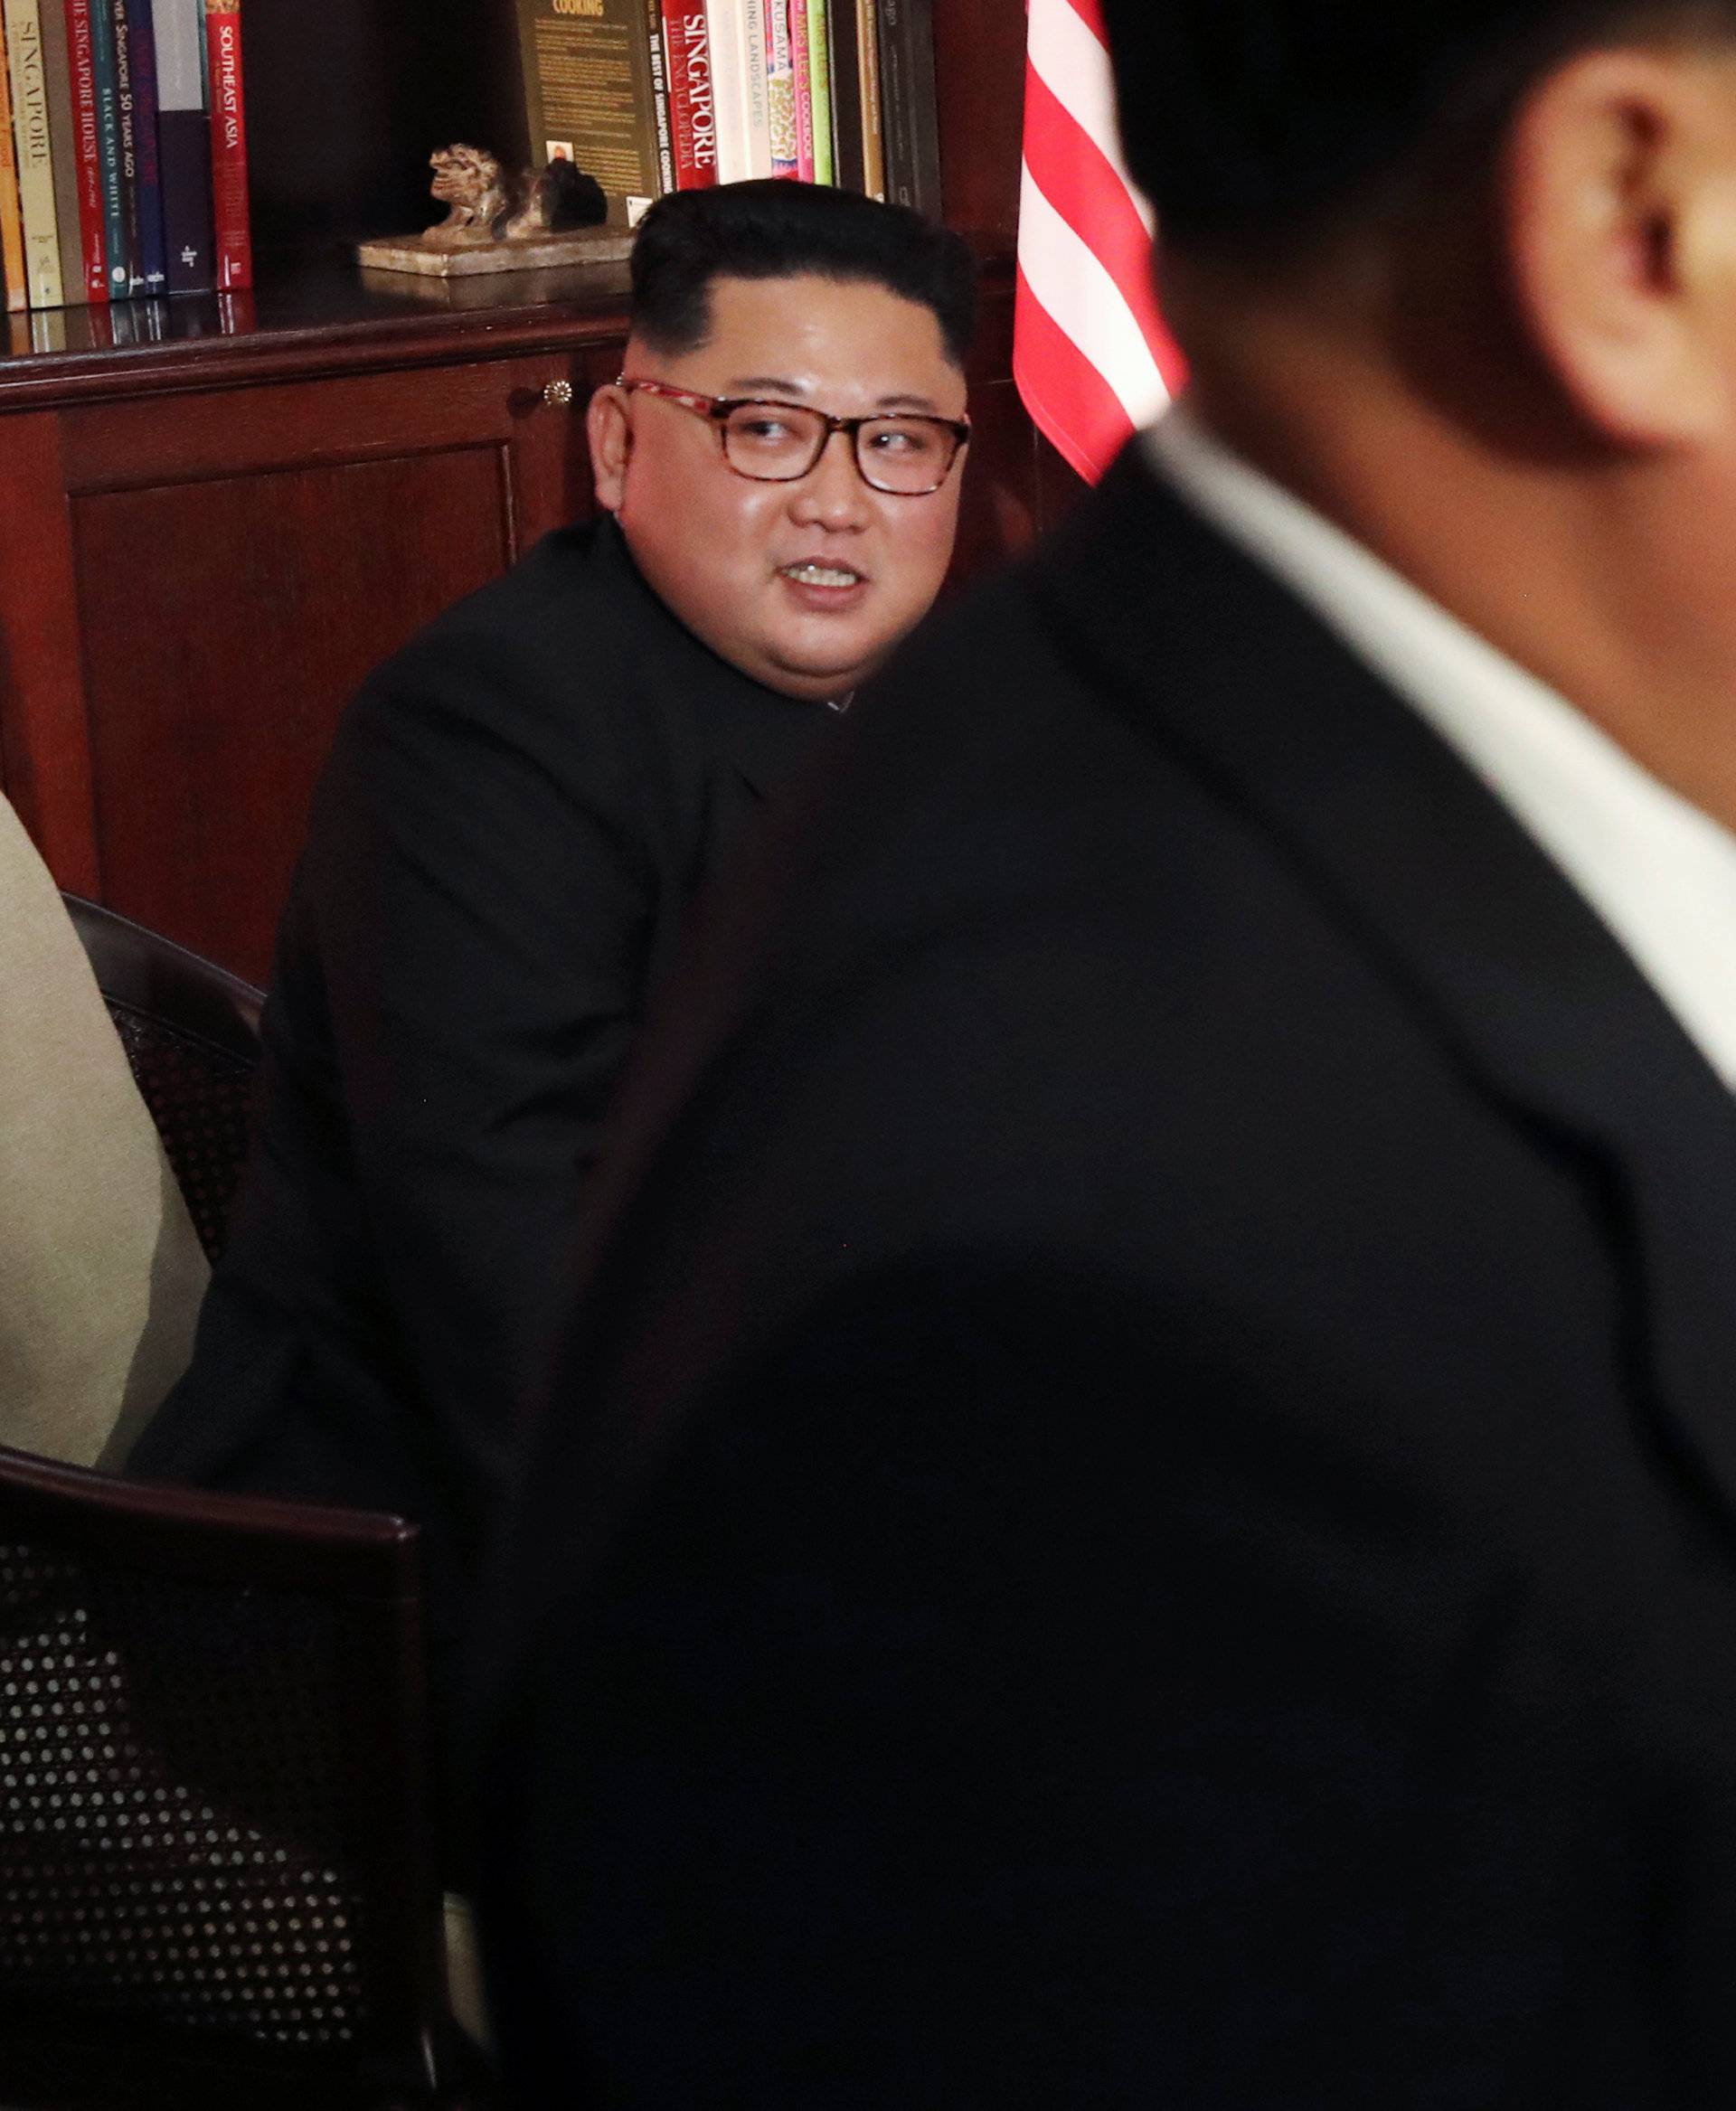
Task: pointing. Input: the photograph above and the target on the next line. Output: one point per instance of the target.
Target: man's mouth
(812, 574)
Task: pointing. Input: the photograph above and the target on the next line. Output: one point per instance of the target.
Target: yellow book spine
(36, 159)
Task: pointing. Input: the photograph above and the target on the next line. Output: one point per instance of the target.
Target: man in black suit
(516, 814)
(1143, 1512)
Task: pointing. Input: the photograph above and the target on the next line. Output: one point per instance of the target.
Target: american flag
(1091, 358)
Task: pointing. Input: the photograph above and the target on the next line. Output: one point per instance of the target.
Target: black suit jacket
(516, 814)
(1156, 1519)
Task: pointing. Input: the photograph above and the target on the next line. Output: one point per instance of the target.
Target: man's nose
(833, 493)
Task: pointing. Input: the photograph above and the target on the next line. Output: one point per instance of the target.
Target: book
(849, 148)
(873, 158)
(780, 89)
(693, 121)
(62, 149)
(114, 211)
(910, 123)
(150, 176)
(34, 159)
(753, 56)
(660, 95)
(819, 68)
(802, 70)
(726, 38)
(140, 184)
(183, 145)
(11, 221)
(590, 96)
(231, 224)
(126, 147)
(81, 84)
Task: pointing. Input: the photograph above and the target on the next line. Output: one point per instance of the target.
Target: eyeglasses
(896, 451)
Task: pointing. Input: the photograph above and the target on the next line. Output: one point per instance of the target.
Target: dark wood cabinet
(207, 537)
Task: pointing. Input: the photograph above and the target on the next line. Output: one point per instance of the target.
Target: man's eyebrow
(773, 384)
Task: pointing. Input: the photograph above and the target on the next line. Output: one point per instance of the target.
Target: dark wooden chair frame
(366, 1568)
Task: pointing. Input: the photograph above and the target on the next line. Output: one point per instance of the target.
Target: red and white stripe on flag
(1091, 356)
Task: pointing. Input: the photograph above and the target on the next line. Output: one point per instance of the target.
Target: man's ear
(1618, 200)
(609, 432)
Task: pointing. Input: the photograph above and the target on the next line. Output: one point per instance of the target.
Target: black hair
(1255, 123)
(776, 229)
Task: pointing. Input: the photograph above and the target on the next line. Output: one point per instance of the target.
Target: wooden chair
(190, 1031)
(217, 1875)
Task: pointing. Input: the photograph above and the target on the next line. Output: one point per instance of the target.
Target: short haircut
(776, 229)
(1258, 124)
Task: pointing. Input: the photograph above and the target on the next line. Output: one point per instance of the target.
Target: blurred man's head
(1463, 272)
(799, 551)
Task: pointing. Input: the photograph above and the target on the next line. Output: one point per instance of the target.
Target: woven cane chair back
(190, 1031)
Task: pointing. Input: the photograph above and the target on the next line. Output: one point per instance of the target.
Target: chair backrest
(190, 1031)
(217, 1876)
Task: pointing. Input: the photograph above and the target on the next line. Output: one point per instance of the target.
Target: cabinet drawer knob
(557, 395)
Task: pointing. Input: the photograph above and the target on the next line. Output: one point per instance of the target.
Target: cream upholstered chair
(100, 1269)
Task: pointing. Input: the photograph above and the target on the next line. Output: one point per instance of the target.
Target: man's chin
(818, 676)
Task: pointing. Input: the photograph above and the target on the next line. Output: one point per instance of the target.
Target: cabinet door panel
(243, 558)
(225, 623)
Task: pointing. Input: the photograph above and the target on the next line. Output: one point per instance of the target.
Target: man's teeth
(822, 575)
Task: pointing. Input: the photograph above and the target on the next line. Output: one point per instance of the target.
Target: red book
(80, 65)
(234, 245)
(691, 118)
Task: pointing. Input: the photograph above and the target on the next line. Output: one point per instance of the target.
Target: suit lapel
(1433, 877)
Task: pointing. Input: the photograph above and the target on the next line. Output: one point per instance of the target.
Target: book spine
(753, 47)
(780, 89)
(12, 220)
(62, 148)
(126, 117)
(911, 128)
(726, 27)
(232, 224)
(658, 66)
(819, 67)
(873, 152)
(145, 134)
(693, 115)
(114, 209)
(183, 144)
(82, 81)
(35, 158)
(804, 74)
(590, 96)
(848, 147)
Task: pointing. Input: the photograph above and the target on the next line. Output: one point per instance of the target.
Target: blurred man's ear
(611, 437)
(1620, 204)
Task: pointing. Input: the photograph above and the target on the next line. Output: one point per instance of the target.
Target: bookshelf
(216, 520)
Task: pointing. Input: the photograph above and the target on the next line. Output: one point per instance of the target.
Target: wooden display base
(583, 245)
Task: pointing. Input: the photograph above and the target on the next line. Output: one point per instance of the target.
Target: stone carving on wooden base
(549, 216)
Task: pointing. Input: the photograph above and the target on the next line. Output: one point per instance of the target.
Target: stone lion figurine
(469, 182)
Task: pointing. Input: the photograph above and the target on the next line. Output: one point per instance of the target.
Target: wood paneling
(46, 761)
(254, 605)
(979, 87)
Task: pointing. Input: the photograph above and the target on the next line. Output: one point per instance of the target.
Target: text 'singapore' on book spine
(693, 119)
(35, 160)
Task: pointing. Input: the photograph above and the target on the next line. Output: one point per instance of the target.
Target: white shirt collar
(1658, 871)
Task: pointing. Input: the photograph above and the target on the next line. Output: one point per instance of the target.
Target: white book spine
(759, 98)
(726, 29)
(35, 160)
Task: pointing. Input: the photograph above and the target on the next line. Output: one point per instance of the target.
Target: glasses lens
(776, 441)
(905, 454)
